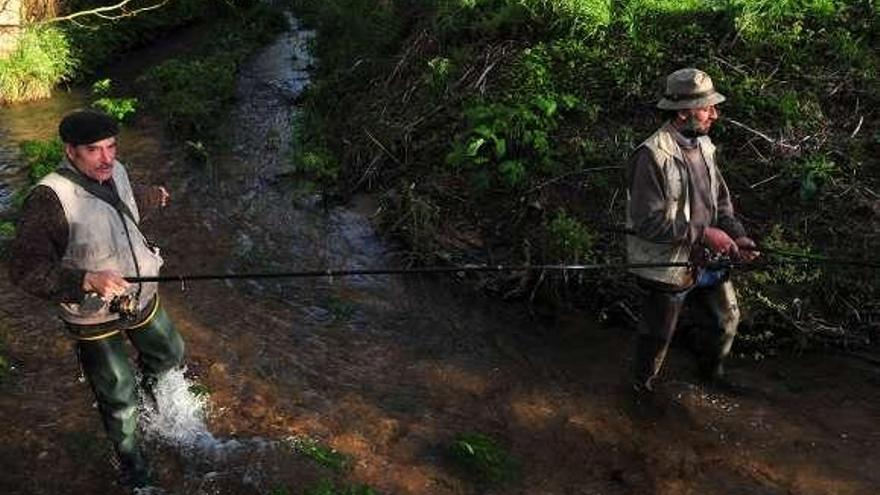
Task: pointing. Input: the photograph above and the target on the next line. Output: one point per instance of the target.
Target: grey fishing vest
(97, 241)
(669, 159)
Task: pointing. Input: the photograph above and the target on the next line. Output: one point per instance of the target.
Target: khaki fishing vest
(97, 241)
(670, 161)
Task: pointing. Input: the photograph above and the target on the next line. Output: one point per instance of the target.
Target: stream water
(385, 370)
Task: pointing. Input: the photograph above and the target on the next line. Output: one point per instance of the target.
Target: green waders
(717, 315)
(109, 371)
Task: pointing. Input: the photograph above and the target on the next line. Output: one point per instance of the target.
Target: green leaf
(500, 147)
(546, 105)
(485, 131)
(473, 147)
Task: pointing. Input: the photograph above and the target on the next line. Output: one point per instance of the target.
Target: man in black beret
(77, 240)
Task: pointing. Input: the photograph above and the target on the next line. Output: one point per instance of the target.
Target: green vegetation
(98, 41)
(483, 458)
(50, 53)
(199, 390)
(490, 111)
(41, 59)
(321, 454)
(41, 157)
(192, 94)
(572, 241)
(119, 108)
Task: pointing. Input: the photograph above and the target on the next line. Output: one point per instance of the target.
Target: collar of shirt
(682, 140)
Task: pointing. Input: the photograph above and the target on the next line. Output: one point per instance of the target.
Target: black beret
(87, 126)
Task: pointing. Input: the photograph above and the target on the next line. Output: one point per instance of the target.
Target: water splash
(178, 415)
(178, 418)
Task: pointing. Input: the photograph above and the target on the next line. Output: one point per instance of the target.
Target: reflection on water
(28, 121)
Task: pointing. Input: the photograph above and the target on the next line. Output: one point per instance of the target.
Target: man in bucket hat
(77, 238)
(678, 206)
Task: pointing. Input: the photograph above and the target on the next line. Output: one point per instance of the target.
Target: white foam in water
(179, 418)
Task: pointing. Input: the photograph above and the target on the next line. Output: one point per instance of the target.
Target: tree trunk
(15, 14)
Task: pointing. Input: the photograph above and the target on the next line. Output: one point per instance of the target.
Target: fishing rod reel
(126, 306)
(703, 258)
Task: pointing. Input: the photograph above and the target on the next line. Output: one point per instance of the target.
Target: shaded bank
(495, 131)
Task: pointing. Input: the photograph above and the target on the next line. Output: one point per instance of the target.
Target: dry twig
(858, 127)
(382, 147)
(776, 142)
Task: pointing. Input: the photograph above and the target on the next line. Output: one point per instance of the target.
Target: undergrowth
(193, 93)
(41, 59)
(511, 120)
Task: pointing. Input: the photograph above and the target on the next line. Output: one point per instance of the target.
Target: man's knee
(176, 348)
(114, 387)
(170, 354)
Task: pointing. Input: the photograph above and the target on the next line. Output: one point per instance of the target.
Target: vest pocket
(93, 256)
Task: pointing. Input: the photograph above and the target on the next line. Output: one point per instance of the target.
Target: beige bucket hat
(689, 88)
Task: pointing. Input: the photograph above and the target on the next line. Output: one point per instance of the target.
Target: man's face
(698, 121)
(94, 160)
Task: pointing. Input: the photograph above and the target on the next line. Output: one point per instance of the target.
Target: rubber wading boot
(134, 469)
(711, 373)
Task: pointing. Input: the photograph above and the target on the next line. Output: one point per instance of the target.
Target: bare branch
(858, 127)
(764, 181)
(382, 147)
(110, 12)
(777, 142)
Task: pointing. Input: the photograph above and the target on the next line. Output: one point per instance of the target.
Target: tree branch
(109, 12)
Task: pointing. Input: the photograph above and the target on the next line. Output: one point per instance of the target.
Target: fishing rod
(126, 306)
(711, 264)
(407, 271)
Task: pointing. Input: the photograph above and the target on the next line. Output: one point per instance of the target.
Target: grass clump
(322, 454)
(191, 94)
(483, 458)
(42, 157)
(41, 59)
(120, 108)
(570, 240)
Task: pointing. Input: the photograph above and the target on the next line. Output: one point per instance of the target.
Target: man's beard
(691, 130)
